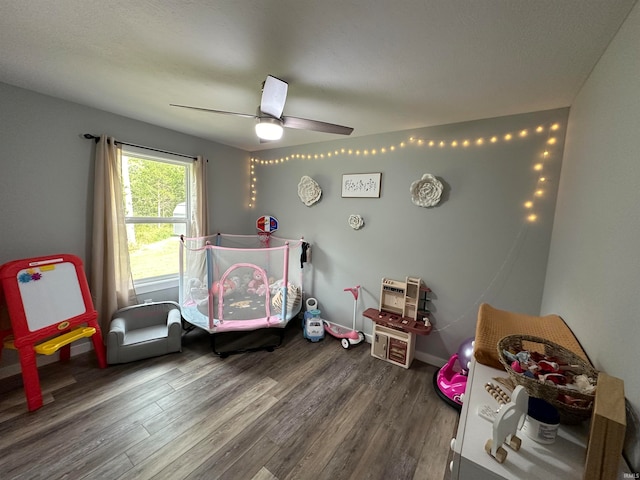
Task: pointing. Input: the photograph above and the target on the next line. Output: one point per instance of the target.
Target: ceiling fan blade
(246, 115)
(274, 94)
(315, 125)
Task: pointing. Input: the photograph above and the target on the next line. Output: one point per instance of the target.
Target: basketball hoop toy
(266, 225)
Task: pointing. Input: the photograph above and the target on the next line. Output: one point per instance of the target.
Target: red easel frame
(25, 340)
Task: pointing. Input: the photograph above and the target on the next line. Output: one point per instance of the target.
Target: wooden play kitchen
(402, 315)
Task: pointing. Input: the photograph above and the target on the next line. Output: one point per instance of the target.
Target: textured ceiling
(375, 65)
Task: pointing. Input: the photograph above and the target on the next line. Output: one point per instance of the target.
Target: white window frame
(162, 282)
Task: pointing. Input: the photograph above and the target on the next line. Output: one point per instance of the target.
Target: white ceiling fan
(269, 118)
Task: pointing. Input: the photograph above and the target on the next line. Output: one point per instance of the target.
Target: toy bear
(256, 285)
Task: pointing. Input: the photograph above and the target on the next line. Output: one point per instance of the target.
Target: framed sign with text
(365, 185)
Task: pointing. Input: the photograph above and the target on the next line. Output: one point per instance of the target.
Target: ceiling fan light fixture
(268, 128)
(269, 119)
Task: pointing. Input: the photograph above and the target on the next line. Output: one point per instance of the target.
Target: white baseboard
(430, 359)
(14, 368)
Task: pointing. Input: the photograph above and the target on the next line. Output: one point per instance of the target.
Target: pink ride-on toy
(347, 337)
(450, 382)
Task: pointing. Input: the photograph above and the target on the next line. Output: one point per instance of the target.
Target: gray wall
(46, 175)
(475, 246)
(593, 277)
(47, 171)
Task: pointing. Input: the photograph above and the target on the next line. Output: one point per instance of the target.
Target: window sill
(145, 287)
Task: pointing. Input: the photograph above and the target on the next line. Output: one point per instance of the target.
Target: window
(156, 196)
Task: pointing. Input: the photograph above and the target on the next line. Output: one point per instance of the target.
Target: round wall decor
(309, 191)
(426, 191)
(356, 222)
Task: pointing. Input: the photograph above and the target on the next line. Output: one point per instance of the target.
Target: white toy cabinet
(394, 346)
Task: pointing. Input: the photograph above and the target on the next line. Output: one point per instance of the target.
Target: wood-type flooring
(304, 411)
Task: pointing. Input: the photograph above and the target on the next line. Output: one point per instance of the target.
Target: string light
(252, 183)
(420, 142)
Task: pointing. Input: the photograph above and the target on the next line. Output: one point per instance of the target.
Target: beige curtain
(199, 213)
(196, 262)
(111, 281)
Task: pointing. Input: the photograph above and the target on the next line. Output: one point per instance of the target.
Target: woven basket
(569, 414)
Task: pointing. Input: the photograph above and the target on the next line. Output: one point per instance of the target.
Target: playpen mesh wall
(237, 282)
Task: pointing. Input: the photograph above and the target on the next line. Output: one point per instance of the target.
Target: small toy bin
(312, 327)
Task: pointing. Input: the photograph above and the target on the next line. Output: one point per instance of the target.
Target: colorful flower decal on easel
(29, 275)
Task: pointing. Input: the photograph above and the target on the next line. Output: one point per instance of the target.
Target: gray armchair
(144, 331)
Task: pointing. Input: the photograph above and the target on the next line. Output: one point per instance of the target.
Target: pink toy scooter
(347, 337)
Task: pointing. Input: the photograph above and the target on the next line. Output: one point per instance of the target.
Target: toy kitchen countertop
(397, 322)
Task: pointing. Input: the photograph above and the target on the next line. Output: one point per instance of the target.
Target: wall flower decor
(426, 191)
(356, 222)
(309, 191)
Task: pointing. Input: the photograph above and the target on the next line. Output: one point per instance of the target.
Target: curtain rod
(89, 136)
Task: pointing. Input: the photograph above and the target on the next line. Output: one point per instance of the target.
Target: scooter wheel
(345, 343)
(361, 337)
